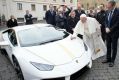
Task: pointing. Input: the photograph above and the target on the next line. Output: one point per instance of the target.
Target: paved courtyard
(99, 71)
(6, 69)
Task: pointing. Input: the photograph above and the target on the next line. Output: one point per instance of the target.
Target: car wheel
(18, 69)
(3, 52)
(89, 64)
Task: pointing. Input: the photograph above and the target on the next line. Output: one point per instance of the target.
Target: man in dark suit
(12, 22)
(79, 11)
(50, 16)
(28, 17)
(101, 15)
(112, 32)
(71, 22)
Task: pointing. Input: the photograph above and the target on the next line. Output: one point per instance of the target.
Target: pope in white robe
(89, 28)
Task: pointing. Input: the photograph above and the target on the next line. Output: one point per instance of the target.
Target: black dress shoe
(105, 61)
(111, 64)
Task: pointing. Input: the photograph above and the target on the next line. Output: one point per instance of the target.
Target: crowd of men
(67, 18)
(108, 17)
(64, 17)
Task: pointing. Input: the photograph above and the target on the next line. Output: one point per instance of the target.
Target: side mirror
(4, 43)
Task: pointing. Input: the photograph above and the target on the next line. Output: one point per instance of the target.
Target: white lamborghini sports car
(40, 52)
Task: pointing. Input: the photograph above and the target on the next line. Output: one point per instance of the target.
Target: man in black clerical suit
(28, 18)
(12, 22)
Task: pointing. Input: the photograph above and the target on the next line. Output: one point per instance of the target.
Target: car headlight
(42, 67)
(85, 46)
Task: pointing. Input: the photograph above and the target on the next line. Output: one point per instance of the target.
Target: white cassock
(91, 36)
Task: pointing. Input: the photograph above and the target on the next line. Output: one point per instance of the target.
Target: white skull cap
(83, 15)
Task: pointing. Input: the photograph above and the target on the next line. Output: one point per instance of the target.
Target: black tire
(18, 69)
(3, 52)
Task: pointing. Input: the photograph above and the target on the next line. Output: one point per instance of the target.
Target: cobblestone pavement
(99, 71)
(6, 69)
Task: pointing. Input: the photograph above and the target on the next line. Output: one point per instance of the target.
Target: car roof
(20, 28)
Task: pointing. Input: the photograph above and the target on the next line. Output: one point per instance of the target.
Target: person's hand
(107, 30)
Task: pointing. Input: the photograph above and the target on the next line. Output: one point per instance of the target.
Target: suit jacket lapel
(113, 14)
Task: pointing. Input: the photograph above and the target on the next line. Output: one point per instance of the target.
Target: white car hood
(60, 52)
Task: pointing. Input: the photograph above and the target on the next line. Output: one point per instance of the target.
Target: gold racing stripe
(67, 51)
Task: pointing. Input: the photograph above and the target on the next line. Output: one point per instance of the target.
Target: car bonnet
(60, 52)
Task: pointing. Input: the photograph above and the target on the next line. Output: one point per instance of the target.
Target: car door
(10, 37)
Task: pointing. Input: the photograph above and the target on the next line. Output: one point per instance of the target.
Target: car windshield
(38, 36)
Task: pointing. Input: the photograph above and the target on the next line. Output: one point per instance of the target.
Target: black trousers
(112, 42)
(103, 33)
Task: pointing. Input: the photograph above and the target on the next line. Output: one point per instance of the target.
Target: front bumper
(32, 73)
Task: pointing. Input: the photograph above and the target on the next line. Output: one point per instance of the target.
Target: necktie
(109, 18)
